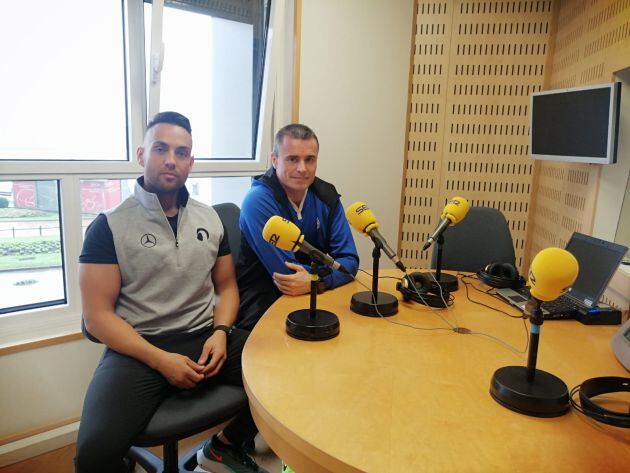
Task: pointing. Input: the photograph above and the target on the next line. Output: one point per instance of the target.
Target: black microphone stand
(447, 282)
(373, 303)
(526, 389)
(313, 324)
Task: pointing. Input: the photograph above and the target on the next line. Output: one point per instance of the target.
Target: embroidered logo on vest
(202, 234)
(148, 240)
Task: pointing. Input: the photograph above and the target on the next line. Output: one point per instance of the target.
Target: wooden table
(388, 398)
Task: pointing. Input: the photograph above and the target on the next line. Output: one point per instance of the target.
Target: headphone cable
(386, 319)
(466, 284)
(452, 328)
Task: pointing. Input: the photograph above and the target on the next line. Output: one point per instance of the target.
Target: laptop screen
(598, 260)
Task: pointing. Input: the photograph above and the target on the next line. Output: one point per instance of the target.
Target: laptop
(598, 260)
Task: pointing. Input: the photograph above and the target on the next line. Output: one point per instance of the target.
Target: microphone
(363, 220)
(285, 235)
(453, 213)
(529, 390)
(552, 272)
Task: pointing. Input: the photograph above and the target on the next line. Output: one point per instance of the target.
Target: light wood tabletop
(383, 397)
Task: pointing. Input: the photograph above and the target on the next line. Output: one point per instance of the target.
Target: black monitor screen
(572, 123)
(598, 260)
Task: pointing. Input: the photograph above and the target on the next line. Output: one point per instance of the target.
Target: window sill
(44, 342)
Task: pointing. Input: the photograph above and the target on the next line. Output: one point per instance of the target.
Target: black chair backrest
(481, 238)
(229, 214)
(87, 334)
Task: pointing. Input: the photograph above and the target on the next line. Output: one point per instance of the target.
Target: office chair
(481, 238)
(229, 214)
(187, 413)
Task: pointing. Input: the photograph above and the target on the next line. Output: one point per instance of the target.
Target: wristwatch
(223, 328)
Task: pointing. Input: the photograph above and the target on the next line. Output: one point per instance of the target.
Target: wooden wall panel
(591, 43)
(474, 65)
(426, 125)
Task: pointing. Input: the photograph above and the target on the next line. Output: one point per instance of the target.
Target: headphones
(501, 275)
(594, 387)
(421, 288)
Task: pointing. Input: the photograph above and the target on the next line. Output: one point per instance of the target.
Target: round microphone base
(448, 282)
(363, 303)
(323, 326)
(545, 396)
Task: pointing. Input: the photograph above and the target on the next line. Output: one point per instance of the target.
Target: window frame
(276, 91)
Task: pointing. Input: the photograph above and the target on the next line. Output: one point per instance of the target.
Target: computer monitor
(580, 124)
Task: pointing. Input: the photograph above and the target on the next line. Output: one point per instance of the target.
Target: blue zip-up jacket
(323, 224)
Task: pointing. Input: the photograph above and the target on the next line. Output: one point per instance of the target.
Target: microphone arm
(436, 233)
(321, 257)
(391, 254)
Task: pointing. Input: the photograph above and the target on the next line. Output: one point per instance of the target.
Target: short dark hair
(294, 130)
(173, 118)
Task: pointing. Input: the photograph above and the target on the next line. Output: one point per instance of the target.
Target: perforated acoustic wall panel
(474, 64)
(591, 43)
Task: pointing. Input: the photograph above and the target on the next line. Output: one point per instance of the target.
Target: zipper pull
(176, 243)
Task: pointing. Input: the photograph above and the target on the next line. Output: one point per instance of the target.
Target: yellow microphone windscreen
(456, 210)
(282, 233)
(553, 271)
(361, 217)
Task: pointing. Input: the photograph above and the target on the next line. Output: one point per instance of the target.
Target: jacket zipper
(179, 221)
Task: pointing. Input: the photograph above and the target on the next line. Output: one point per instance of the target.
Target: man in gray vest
(150, 272)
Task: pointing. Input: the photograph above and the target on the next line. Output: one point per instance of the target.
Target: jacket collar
(271, 180)
(150, 200)
(322, 189)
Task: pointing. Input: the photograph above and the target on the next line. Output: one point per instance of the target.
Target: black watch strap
(223, 328)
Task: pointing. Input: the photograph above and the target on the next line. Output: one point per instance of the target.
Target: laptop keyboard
(562, 308)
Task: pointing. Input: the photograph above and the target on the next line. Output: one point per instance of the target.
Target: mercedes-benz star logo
(148, 240)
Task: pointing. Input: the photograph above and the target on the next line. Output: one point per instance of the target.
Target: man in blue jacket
(290, 189)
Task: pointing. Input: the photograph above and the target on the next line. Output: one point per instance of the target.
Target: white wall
(45, 385)
(354, 75)
(614, 177)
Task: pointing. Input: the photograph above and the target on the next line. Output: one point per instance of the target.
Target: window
(216, 190)
(100, 195)
(31, 259)
(215, 86)
(90, 73)
(67, 81)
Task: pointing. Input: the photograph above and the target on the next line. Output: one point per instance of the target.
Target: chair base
(171, 462)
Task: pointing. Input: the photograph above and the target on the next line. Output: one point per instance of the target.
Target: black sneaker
(256, 445)
(221, 458)
(249, 446)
